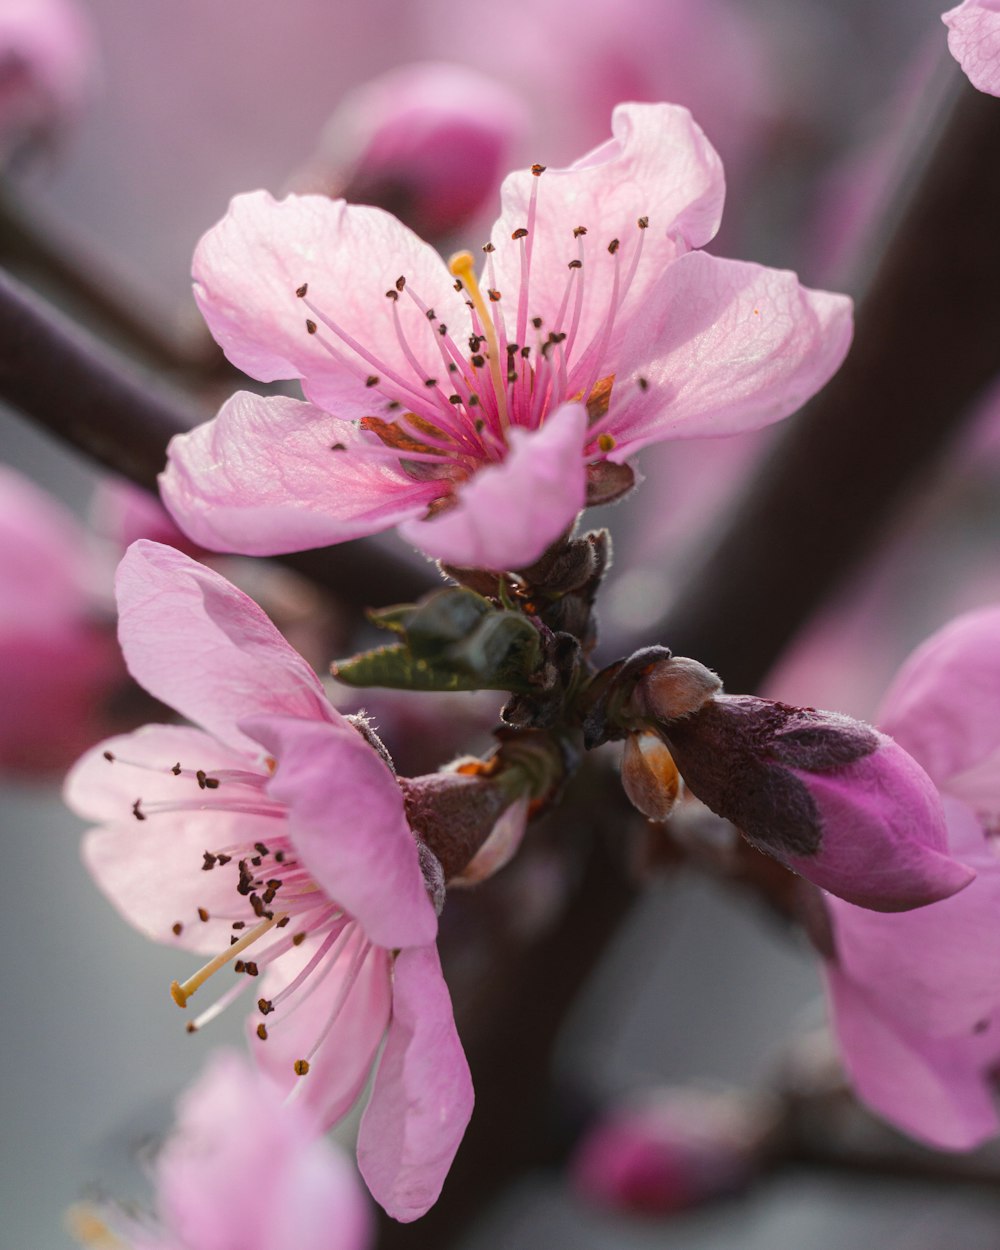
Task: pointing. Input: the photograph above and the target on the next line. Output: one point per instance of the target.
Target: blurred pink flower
(243, 1168)
(467, 415)
(312, 851)
(46, 64)
(428, 141)
(914, 997)
(974, 40)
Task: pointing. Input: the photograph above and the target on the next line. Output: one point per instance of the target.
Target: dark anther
(474, 341)
(493, 293)
(454, 399)
(576, 264)
(298, 939)
(452, 367)
(479, 425)
(176, 770)
(246, 879)
(643, 223)
(239, 924)
(279, 857)
(430, 381)
(579, 231)
(265, 1006)
(177, 928)
(442, 329)
(520, 233)
(310, 326)
(302, 290)
(430, 314)
(400, 282)
(473, 401)
(222, 858)
(479, 361)
(458, 284)
(392, 405)
(371, 380)
(392, 294)
(613, 246)
(203, 915)
(239, 966)
(338, 446)
(261, 848)
(262, 1032)
(233, 939)
(536, 322)
(525, 353)
(488, 247)
(511, 349)
(511, 375)
(642, 383)
(137, 811)
(209, 862)
(538, 170)
(269, 896)
(191, 1027)
(200, 775)
(255, 860)
(257, 905)
(109, 756)
(282, 922)
(251, 967)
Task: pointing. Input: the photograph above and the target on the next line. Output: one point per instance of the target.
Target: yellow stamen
(462, 265)
(181, 993)
(85, 1226)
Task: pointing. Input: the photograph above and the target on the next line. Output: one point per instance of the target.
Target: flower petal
(347, 822)
(422, 1098)
(659, 165)
(274, 475)
(511, 512)
(722, 347)
(203, 647)
(974, 40)
(248, 268)
(942, 705)
(933, 1089)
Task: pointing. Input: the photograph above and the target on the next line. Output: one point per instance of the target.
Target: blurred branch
(927, 343)
(120, 417)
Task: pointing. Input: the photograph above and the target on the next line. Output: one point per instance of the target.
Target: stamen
(182, 992)
(462, 266)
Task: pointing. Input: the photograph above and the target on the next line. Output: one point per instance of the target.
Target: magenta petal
(942, 705)
(934, 1089)
(884, 837)
(722, 347)
(263, 478)
(422, 1098)
(511, 512)
(974, 40)
(340, 1068)
(347, 823)
(248, 268)
(204, 648)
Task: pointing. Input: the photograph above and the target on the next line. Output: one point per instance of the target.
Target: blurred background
(175, 106)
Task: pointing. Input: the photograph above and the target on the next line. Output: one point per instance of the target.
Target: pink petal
(884, 836)
(974, 40)
(204, 648)
(248, 268)
(422, 1098)
(347, 822)
(509, 513)
(341, 1067)
(935, 1090)
(723, 347)
(658, 165)
(263, 478)
(942, 704)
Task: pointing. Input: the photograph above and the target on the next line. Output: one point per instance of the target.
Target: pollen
(606, 442)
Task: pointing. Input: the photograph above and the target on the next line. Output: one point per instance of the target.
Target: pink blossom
(278, 824)
(915, 998)
(974, 40)
(467, 409)
(46, 62)
(242, 1170)
(429, 141)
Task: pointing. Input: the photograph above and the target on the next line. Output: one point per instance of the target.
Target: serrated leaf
(394, 618)
(396, 668)
(444, 618)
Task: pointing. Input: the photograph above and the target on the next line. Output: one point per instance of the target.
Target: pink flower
(464, 409)
(974, 40)
(279, 828)
(242, 1170)
(428, 141)
(915, 997)
(46, 57)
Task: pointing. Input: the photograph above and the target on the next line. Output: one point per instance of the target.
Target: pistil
(182, 992)
(462, 266)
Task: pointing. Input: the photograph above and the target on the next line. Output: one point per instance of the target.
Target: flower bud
(674, 688)
(649, 775)
(828, 796)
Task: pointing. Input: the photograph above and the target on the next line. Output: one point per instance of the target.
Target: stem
(926, 345)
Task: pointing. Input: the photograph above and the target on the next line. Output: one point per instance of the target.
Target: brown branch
(927, 343)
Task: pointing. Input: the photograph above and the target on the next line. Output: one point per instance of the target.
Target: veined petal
(422, 1098)
(942, 705)
(722, 347)
(276, 474)
(935, 1089)
(658, 165)
(348, 825)
(974, 40)
(204, 648)
(509, 513)
(340, 1068)
(248, 268)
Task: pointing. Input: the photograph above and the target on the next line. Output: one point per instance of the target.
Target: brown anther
(536, 322)
(302, 290)
(428, 382)
(137, 811)
(256, 860)
(301, 1067)
(454, 399)
(203, 915)
(400, 283)
(457, 284)
(201, 778)
(177, 928)
(579, 231)
(613, 246)
(493, 293)
(338, 446)
(176, 770)
(478, 361)
(538, 170)
(279, 857)
(239, 924)
(233, 939)
(269, 896)
(371, 380)
(511, 349)
(262, 1031)
(643, 223)
(109, 756)
(431, 315)
(265, 1006)
(261, 848)
(191, 1027)
(251, 968)
(452, 367)
(520, 233)
(221, 859)
(274, 883)
(642, 384)
(443, 330)
(208, 862)
(392, 294)
(525, 353)
(239, 966)
(310, 326)
(576, 264)
(298, 939)
(282, 922)
(488, 247)
(474, 403)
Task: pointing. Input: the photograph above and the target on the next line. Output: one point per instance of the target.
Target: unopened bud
(675, 688)
(649, 775)
(454, 815)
